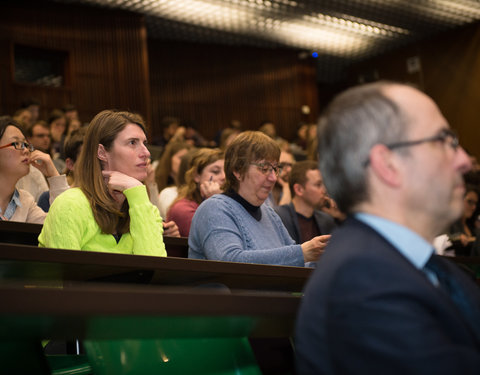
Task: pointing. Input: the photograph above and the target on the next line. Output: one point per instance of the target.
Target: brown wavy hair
(201, 159)
(103, 129)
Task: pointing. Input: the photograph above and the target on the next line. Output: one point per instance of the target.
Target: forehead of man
(423, 115)
(286, 157)
(40, 129)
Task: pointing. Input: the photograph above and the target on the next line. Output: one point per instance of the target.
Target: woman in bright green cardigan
(109, 210)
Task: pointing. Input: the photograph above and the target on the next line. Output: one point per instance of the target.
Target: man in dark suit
(302, 216)
(380, 301)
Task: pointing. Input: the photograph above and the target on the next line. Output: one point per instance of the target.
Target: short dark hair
(73, 142)
(29, 130)
(298, 175)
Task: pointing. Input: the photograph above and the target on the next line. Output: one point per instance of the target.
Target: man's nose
(462, 160)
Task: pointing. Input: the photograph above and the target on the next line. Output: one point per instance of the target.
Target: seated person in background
(39, 136)
(302, 217)
(167, 173)
(58, 130)
(109, 210)
(73, 146)
(16, 157)
(281, 193)
(204, 179)
(170, 228)
(462, 233)
(380, 301)
(236, 226)
(23, 117)
(34, 182)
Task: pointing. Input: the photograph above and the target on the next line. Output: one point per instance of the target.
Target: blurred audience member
(58, 129)
(33, 106)
(281, 193)
(462, 233)
(302, 217)
(39, 136)
(204, 179)
(170, 193)
(168, 165)
(23, 117)
(170, 228)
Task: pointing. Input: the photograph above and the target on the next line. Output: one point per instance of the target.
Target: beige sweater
(29, 212)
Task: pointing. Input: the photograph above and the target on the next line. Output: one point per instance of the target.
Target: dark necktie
(451, 284)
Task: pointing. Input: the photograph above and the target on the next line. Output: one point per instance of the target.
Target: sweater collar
(255, 211)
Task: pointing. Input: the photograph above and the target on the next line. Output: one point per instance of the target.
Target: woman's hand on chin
(43, 162)
(117, 182)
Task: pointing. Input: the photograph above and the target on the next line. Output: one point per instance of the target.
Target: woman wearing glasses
(236, 226)
(16, 156)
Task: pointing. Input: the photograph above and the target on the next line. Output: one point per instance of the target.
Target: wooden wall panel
(450, 74)
(108, 65)
(213, 85)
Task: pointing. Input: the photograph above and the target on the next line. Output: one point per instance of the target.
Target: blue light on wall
(314, 55)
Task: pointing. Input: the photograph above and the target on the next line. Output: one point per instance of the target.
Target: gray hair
(352, 124)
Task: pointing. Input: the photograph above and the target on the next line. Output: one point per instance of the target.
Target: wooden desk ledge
(37, 264)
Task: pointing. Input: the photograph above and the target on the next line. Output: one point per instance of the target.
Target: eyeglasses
(267, 168)
(20, 146)
(445, 136)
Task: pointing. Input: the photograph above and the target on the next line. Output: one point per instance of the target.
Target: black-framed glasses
(20, 146)
(267, 168)
(446, 136)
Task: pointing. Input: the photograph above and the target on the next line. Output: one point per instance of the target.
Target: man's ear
(298, 189)
(385, 165)
(237, 175)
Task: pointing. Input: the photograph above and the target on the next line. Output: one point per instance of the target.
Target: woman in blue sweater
(236, 226)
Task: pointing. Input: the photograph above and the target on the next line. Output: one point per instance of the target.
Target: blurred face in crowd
(314, 192)
(57, 128)
(34, 110)
(213, 172)
(13, 162)
(258, 181)
(176, 160)
(469, 204)
(128, 153)
(24, 118)
(286, 162)
(40, 138)
(74, 124)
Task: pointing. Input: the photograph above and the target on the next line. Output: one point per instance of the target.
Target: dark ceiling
(341, 32)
